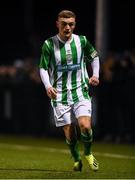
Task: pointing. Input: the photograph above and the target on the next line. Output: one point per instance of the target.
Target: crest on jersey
(69, 56)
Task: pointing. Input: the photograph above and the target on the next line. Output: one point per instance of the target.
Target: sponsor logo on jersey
(68, 67)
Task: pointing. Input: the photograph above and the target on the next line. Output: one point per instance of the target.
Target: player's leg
(86, 133)
(83, 114)
(71, 140)
(62, 116)
(87, 138)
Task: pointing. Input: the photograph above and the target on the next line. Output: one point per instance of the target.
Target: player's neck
(64, 38)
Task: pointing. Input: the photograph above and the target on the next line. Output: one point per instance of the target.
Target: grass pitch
(49, 158)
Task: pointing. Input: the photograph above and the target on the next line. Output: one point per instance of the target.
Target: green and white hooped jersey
(65, 62)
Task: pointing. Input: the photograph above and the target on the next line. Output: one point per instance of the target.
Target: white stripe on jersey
(79, 50)
(79, 72)
(58, 61)
(69, 79)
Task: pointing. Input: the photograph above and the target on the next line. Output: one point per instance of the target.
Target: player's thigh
(62, 115)
(82, 112)
(82, 108)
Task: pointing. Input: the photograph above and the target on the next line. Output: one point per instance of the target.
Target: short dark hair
(66, 14)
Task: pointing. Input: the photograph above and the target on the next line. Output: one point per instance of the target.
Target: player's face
(66, 27)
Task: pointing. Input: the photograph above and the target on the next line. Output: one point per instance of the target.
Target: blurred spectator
(116, 98)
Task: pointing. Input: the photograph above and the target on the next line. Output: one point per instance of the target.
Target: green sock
(73, 146)
(87, 138)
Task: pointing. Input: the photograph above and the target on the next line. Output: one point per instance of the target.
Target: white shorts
(63, 114)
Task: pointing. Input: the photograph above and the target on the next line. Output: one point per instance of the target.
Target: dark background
(21, 20)
(121, 25)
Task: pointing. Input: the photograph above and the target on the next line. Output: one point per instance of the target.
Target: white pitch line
(111, 155)
(65, 151)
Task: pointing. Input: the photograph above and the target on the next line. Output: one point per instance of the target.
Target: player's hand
(52, 92)
(94, 81)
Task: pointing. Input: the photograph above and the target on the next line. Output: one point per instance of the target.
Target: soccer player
(64, 74)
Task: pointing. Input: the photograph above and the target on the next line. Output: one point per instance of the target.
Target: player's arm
(51, 92)
(94, 80)
(93, 57)
(44, 65)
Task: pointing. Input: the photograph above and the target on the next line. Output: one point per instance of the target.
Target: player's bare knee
(85, 127)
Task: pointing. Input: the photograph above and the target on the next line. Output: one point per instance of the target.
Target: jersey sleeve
(89, 51)
(45, 56)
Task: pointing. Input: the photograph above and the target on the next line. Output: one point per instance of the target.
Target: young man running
(64, 74)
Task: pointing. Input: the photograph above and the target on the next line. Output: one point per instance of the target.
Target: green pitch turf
(48, 158)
